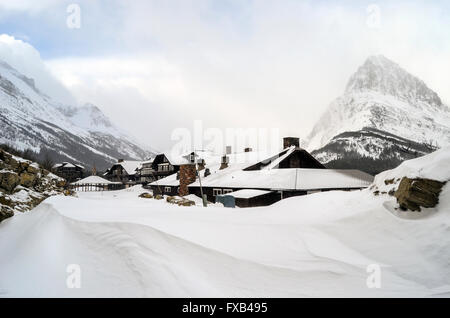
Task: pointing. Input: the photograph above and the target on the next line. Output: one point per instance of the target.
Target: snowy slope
(30, 119)
(382, 97)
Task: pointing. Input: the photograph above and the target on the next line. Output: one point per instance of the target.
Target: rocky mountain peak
(379, 74)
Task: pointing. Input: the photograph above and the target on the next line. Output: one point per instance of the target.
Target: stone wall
(23, 184)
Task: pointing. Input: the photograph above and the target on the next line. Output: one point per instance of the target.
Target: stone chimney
(224, 163)
(291, 141)
(188, 175)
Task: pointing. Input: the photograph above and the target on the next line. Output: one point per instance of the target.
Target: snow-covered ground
(315, 245)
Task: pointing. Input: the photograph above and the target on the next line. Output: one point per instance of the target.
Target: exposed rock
(158, 197)
(146, 195)
(8, 180)
(28, 179)
(412, 194)
(23, 185)
(173, 200)
(69, 192)
(5, 212)
(185, 202)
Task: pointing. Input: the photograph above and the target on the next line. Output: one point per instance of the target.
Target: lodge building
(69, 171)
(243, 179)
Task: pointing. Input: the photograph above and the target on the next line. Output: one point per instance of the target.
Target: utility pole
(205, 204)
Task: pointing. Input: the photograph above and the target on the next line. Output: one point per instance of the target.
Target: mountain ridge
(383, 97)
(31, 119)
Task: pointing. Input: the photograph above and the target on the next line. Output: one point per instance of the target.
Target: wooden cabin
(124, 171)
(69, 171)
(145, 173)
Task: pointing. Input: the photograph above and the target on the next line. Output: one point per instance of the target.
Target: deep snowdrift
(315, 245)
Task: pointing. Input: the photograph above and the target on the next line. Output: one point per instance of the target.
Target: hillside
(31, 119)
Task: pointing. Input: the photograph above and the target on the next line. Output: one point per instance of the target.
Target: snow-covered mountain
(385, 116)
(31, 119)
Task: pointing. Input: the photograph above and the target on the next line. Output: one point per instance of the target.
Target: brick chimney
(188, 175)
(291, 141)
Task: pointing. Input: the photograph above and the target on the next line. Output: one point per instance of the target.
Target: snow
(93, 180)
(46, 121)
(435, 166)
(383, 96)
(130, 166)
(288, 179)
(247, 193)
(316, 245)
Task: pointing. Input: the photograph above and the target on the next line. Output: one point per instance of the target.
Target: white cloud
(27, 5)
(254, 63)
(26, 59)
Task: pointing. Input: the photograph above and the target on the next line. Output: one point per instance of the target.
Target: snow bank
(435, 166)
(315, 245)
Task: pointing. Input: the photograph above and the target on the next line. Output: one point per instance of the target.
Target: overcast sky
(153, 66)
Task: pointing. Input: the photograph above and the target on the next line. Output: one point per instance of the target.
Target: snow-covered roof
(237, 161)
(288, 179)
(247, 193)
(67, 165)
(93, 180)
(129, 166)
(170, 180)
(269, 177)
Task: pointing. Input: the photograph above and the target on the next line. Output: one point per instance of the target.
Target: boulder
(186, 202)
(61, 183)
(9, 180)
(146, 195)
(159, 197)
(4, 200)
(27, 179)
(173, 200)
(33, 170)
(5, 212)
(412, 194)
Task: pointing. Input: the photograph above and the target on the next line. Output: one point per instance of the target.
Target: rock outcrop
(412, 194)
(23, 184)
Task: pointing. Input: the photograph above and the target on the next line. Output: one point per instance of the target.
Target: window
(224, 191)
(217, 192)
(167, 189)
